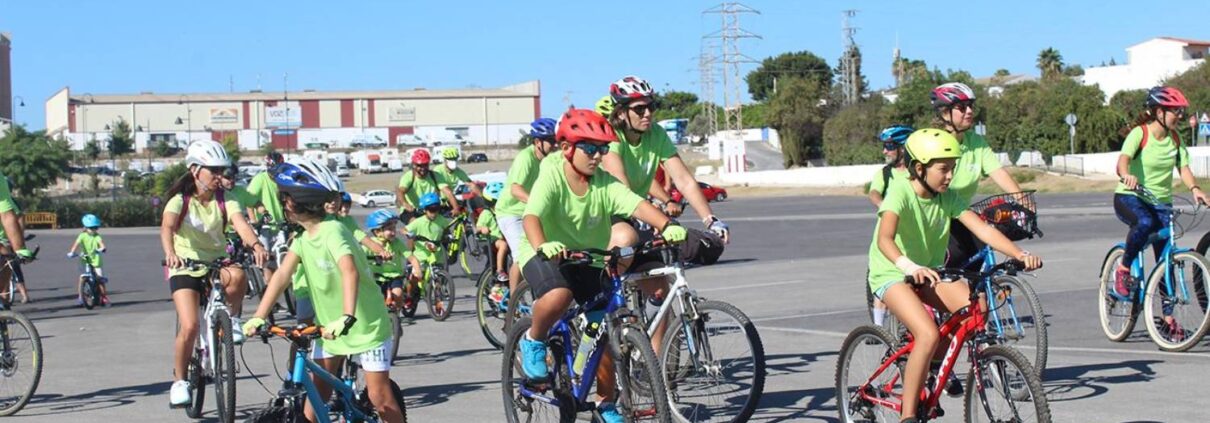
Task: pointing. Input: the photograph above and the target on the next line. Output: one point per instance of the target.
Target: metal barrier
(1067, 165)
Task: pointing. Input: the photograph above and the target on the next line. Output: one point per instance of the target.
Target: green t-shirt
(487, 219)
(263, 188)
(241, 195)
(350, 224)
(201, 235)
(415, 187)
(89, 244)
(577, 221)
(523, 172)
(300, 284)
(923, 232)
(393, 267)
(1153, 167)
(897, 176)
(318, 255)
(641, 160)
(452, 176)
(7, 204)
(432, 229)
(977, 161)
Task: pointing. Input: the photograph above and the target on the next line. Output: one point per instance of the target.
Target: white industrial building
(298, 119)
(1147, 64)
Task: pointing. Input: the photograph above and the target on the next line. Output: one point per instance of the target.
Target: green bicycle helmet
(605, 106)
(450, 153)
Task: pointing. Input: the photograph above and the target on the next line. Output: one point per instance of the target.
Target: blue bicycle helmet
(91, 221)
(493, 190)
(430, 199)
(346, 198)
(307, 181)
(543, 128)
(897, 134)
(379, 218)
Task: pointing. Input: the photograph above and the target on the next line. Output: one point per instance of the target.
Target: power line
(850, 80)
(732, 58)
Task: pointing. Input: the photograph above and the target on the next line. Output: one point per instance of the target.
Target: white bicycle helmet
(207, 153)
(630, 88)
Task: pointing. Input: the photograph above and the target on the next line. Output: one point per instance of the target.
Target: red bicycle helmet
(1166, 97)
(421, 157)
(948, 94)
(584, 125)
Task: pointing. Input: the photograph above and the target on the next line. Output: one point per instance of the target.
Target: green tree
(92, 150)
(858, 78)
(121, 140)
(1195, 84)
(231, 144)
(165, 179)
(798, 115)
(676, 105)
(31, 160)
(1073, 70)
(1030, 116)
(267, 148)
(756, 115)
(802, 65)
(850, 136)
(1050, 62)
(906, 69)
(162, 148)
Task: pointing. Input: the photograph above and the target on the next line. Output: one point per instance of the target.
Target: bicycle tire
(518, 300)
(1024, 388)
(488, 313)
(256, 282)
(9, 369)
(644, 379)
(1019, 288)
(1200, 316)
(1117, 317)
(271, 414)
(441, 296)
(511, 377)
(197, 382)
(89, 292)
(847, 403)
(396, 333)
(224, 367)
(288, 301)
(676, 374)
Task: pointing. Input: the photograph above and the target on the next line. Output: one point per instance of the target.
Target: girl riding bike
(1151, 150)
(193, 228)
(487, 226)
(910, 239)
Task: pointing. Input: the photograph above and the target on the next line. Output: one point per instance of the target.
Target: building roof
(1016, 78)
(525, 89)
(1185, 41)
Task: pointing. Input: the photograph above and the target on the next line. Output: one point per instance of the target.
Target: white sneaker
(237, 330)
(179, 395)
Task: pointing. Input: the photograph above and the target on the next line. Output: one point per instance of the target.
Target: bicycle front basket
(1013, 214)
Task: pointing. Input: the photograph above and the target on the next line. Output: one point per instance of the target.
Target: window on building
(462, 132)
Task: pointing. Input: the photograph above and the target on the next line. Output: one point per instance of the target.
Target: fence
(1067, 165)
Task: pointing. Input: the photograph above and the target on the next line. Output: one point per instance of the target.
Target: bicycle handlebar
(198, 264)
(298, 332)
(972, 276)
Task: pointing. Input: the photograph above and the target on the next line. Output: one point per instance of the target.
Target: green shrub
(127, 212)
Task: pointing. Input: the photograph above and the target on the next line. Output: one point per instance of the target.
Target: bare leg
(379, 386)
(235, 284)
(546, 311)
(186, 304)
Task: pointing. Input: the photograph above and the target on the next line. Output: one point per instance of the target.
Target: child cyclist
(355, 323)
(193, 228)
(569, 208)
(430, 226)
(382, 224)
(910, 240)
(90, 244)
(487, 226)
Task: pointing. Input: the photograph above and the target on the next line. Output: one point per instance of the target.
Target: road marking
(759, 285)
(806, 331)
(799, 316)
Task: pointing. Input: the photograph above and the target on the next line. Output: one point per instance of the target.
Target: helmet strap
(920, 176)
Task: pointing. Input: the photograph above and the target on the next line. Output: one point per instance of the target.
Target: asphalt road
(796, 267)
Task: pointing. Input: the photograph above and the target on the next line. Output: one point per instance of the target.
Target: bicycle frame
(684, 306)
(988, 257)
(1138, 270)
(214, 303)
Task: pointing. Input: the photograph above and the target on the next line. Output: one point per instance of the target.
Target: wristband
(1195, 187)
(906, 265)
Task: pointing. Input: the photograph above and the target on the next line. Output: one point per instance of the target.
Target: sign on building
(224, 115)
(283, 116)
(402, 114)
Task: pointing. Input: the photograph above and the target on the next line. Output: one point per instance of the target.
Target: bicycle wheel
(862, 354)
(224, 367)
(1021, 320)
(1118, 315)
(89, 291)
(20, 361)
(519, 407)
(197, 382)
(1175, 318)
(490, 314)
(1003, 387)
(520, 302)
(641, 394)
(256, 282)
(367, 407)
(440, 296)
(720, 376)
(396, 333)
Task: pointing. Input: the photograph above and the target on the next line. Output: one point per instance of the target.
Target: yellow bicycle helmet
(931, 144)
(605, 106)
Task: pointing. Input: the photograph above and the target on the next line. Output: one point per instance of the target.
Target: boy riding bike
(910, 240)
(342, 289)
(521, 176)
(569, 208)
(90, 244)
(382, 224)
(420, 181)
(487, 226)
(430, 225)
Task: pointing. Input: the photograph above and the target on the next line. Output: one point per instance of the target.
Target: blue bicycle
(348, 404)
(1172, 296)
(640, 389)
(90, 290)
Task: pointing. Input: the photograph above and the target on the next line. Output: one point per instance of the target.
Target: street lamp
(16, 105)
(113, 167)
(184, 99)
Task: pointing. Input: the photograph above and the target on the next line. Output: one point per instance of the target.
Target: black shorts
(585, 282)
(963, 245)
(187, 282)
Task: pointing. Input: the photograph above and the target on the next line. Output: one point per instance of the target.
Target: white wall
(1106, 163)
(828, 176)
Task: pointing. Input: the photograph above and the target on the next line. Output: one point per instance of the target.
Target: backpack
(432, 178)
(701, 247)
(185, 198)
(886, 177)
(1176, 137)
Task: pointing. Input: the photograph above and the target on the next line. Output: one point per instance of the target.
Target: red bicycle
(1000, 387)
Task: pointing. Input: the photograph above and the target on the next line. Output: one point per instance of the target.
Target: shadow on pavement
(424, 396)
(794, 405)
(1087, 381)
(423, 359)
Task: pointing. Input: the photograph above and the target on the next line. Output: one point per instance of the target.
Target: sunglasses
(593, 149)
(419, 166)
(1178, 112)
(643, 109)
(433, 209)
(964, 106)
(217, 170)
(550, 140)
(888, 146)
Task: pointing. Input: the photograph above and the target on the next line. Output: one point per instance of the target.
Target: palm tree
(1050, 62)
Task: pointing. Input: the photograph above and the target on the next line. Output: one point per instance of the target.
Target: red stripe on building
(310, 113)
(537, 107)
(371, 110)
(246, 117)
(394, 132)
(216, 136)
(71, 118)
(346, 113)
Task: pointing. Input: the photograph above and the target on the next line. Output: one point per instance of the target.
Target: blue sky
(125, 46)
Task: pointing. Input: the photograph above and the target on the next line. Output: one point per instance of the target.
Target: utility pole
(730, 34)
(706, 62)
(850, 80)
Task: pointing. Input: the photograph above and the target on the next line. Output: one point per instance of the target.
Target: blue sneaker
(533, 358)
(610, 414)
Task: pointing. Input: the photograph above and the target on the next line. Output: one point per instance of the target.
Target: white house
(1147, 64)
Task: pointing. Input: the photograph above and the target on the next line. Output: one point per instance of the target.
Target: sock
(879, 316)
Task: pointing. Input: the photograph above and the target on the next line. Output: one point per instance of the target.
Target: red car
(712, 193)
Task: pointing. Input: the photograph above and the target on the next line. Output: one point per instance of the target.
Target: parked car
(477, 158)
(376, 198)
(711, 192)
(342, 171)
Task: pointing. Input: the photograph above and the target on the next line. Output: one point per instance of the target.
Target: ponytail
(186, 184)
(1144, 117)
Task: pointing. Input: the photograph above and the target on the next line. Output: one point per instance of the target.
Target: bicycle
(1001, 380)
(566, 392)
(89, 289)
(278, 252)
(1168, 291)
(435, 286)
(491, 314)
(348, 403)
(213, 358)
(20, 352)
(6, 294)
(704, 384)
(396, 313)
(242, 255)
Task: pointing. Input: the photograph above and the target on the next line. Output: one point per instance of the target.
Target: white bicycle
(213, 358)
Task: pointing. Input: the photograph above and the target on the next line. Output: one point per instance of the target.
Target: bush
(128, 212)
